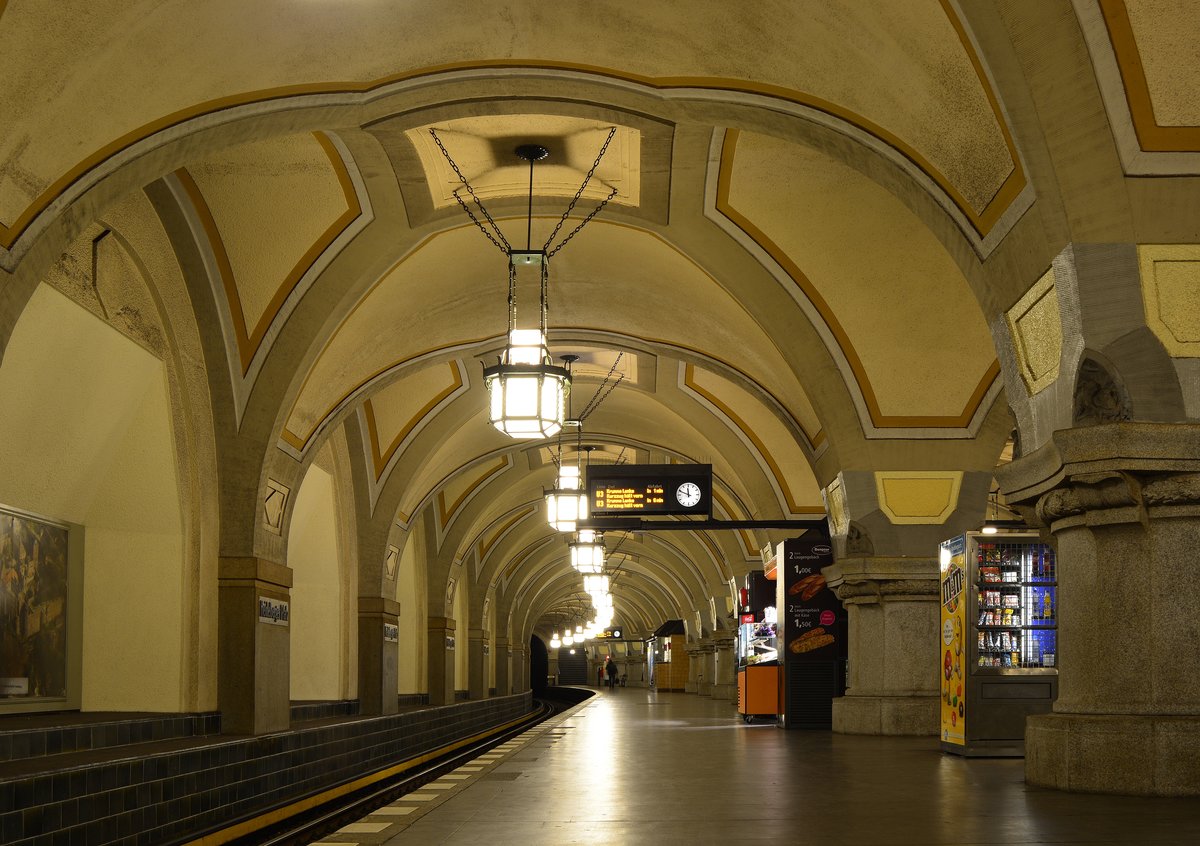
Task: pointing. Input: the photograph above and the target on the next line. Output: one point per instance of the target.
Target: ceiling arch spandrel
(784, 462)
(904, 72)
(905, 325)
(270, 209)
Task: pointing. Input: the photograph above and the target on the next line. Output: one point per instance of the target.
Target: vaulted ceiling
(820, 206)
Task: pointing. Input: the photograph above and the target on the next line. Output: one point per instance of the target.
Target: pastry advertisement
(814, 623)
(952, 660)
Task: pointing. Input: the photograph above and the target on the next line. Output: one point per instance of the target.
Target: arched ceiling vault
(806, 192)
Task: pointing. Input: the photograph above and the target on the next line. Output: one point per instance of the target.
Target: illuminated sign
(623, 489)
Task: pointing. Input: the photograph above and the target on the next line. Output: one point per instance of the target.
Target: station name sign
(649, 489)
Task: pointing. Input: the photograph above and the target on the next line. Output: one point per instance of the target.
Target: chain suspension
(570, 208)
(605, 389)
(502, 243)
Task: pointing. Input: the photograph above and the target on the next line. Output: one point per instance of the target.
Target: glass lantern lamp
(527, 394)
(566, 504)
(587, 552)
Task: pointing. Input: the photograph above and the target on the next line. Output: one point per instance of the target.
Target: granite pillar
(254, 670)
(378, 655)
(477, 675)
(1122, 503)
(724, 668)
(441, 647)
(892, 613)
(502, 656)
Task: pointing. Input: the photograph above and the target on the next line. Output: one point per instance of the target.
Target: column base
(724, 691)
(886, 715)
(704, 688)
(1126, 754)
(689, 687)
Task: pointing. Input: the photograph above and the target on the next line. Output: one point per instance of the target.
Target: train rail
(314, 817)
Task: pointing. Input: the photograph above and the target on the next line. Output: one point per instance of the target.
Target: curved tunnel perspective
(844, 281)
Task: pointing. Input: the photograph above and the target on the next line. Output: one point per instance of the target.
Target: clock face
(688, 494)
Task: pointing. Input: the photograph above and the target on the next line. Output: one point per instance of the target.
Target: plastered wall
(316, 591)
(85, 437)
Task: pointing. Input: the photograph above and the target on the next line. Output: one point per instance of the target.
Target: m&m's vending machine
(998, 640)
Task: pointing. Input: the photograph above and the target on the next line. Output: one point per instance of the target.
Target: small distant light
(572, 651)
(989, 530)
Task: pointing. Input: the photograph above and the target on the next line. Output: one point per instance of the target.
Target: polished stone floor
(634, 767)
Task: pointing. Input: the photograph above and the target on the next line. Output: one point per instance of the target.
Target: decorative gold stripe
(981, 221)
(280, 814)
(486, 546)
(878, 418)
(381, 460)
(447, 513)
(689, 381)
(248, 342)
(1151, 137)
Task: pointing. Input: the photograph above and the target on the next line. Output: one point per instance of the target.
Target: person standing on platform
(599, 674)
(610, 669)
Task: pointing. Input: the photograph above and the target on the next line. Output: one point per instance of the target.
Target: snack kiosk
(757, 653)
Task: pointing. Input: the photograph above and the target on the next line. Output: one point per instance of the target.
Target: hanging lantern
(587, 552)
(566, 504)
(527, 394)
(555, 641)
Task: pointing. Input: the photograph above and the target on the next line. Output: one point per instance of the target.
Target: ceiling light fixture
(527, 392)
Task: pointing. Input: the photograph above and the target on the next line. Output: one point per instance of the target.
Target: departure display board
(649, 489)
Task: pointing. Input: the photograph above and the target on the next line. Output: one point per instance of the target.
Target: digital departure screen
(650, 489)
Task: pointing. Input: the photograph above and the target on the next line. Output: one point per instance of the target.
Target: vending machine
(998, 646)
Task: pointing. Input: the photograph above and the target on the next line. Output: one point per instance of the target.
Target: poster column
(951, 661)
(812, 634)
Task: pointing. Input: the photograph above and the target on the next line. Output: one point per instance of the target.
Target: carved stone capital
(865, 581)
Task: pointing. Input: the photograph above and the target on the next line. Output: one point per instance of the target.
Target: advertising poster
(812, 621)
(951, 657)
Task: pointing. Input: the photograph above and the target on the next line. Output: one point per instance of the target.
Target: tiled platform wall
(172, 796)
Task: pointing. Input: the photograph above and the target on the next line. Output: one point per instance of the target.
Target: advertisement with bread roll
(811, 633)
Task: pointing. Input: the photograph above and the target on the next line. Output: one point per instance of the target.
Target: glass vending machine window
(1016, 601)
(757, 643)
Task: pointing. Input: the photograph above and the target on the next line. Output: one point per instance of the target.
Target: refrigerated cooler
(998, 649)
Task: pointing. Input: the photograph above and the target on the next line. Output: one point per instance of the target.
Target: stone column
(253, 671)
(378, 655)
(477, 643)
(552, 666)
(706, 656)
(892, 610)
(724, 668)
(520, 669)
(441, 647)
(693, 657)
(502, 655)
(1122, 502)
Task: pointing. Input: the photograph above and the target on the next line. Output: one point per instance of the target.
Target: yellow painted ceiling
(76, 76)
(903, 309)
(1167, 32)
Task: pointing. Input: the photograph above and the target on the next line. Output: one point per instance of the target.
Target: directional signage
(649, 489)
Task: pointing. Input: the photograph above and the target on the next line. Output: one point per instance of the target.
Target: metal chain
(603, 149)
(503, 242)
(596, 399)
(583, 223)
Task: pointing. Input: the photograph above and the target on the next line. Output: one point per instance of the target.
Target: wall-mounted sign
(274, 612)
(391, 632)
(648, 489)
(449, 641)
(487, 649)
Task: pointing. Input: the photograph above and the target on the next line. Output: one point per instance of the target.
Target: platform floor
(634, 767)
